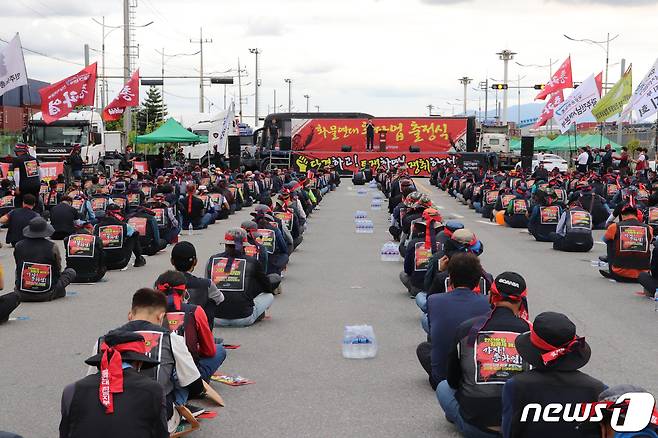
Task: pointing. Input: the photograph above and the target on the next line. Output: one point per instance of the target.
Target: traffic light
(540, 86)
(221, 80)
(499, 87)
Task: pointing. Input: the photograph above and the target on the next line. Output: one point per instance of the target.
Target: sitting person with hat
(39, 274)
(118, 400)
(544, 216)
(628, 248)
(555, 353)
(471, 394)
(447, 311)
(246, 287)
(611, 396)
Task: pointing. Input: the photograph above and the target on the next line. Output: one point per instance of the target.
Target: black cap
(183, 251)
(510, 283)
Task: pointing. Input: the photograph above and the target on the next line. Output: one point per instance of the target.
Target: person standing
(370, 136)
(582, 160)
(76, 162)
(606, 160)
(25, 168)
(273, 133)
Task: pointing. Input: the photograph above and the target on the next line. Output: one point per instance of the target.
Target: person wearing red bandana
(191, 322)
(419, 250)
(476, 372)
(118, 400)
(556, 354)
(119, 238)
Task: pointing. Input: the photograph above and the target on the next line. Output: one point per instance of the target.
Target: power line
(56, 58)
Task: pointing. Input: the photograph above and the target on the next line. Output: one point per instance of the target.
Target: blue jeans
(446, 396)
(421, 301)
(200, 225)
(208, 365)
(261, 303)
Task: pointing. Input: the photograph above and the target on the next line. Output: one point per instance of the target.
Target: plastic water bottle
(390, 252)
(376, 204)
(359, 214)
(368, 226)
(359, 342)
(655, 301)
(190, 229)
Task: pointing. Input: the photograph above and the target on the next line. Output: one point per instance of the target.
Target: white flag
(645, 98)
(579, 104)
(220, 130)
(12, 66)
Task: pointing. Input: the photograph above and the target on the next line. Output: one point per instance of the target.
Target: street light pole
(307, 97)
(201, 41)
(317, 107)
(506, 56)
(465, 81)
(256, 52)
(289, 82)
(430, 107)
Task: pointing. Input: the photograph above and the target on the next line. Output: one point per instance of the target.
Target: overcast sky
(384, 57)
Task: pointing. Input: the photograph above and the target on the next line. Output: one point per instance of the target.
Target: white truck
(53, 142)
(494, 139)
(215, 130)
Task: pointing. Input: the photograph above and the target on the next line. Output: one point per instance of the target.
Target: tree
(152, 111)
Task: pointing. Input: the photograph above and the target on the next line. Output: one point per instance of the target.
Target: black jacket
(139, 411)
(62, 218)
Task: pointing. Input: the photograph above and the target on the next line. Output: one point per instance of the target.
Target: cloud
(264, 26)
(444, 2)
(314, 68)
(47, 9)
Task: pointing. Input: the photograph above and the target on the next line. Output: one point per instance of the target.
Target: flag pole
(29, 93)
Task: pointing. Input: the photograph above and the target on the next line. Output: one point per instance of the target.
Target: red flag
(561, 79)
(128, 96)
(59, 99)
(547, 113)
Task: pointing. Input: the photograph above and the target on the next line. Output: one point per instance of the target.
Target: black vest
(36, 266)
(631, 245)
(84, 253)
(113, 234)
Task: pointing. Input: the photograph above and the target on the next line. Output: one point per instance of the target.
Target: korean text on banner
(61, 98)
(547, 113)
(12, 66)
(645, 98)
(580, 103)
(613, 102)
(128, 96)
(561, 79)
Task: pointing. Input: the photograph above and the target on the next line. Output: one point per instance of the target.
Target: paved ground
(304, 388)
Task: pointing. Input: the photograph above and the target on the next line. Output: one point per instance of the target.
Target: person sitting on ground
(85, 254)
(593, 203)
(545, 216)
(202, 291)
(446, 311)
(555, 353)
(516, 212)
(471, 394)
(177, 373)
(192, 210)
(247, 289)
(420, 248)
(119, 239)
(574, 229)
(8, 302)
(190, 321)
(119, 399)
(253, 248)
(610, 396)
(18, 218)
(64, 218)
(146, 225)
(628, 252)
(39, 274)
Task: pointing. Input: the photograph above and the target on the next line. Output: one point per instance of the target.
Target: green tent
(170, 132)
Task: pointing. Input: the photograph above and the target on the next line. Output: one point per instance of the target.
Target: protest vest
(631, 245)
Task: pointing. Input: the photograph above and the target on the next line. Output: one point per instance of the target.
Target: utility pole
(201, 42)
(506, 56)
(317, 107)
(430, 107)
(162, 71)
(307, 97)
(275, 109)
(240, 89)
(127, 114)
(465, 81)
(104, 82)
(256, 52)
(289, 82)
(486, 99)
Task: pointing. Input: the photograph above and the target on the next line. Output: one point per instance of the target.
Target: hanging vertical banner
(579, 104)
(220, 129)
(12, 66)
(615, 99)
(561, 79)
(128, 96)
(61, 98)
(547, 113)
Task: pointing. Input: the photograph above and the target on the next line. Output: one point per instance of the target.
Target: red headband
(112, 371)
(496, 296)
(177, 297)
(553, 353)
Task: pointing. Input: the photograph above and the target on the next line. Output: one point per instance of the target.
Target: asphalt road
(304, 387)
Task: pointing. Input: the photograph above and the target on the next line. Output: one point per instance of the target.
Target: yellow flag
(613, 102)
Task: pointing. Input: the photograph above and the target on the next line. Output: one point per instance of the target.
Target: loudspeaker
(527, 151)
(233, 145)
(346, 148)
(414, 149)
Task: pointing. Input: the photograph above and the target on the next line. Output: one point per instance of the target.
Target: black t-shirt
(62, 217)
(19, 218)
(28, 168)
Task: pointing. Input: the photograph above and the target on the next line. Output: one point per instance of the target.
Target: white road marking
(599, 243)
(487, 223)
(456, 216)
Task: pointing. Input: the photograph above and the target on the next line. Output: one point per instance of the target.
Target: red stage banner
(50, 170)
(430, 134)
(141, 166)
(419, 164)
